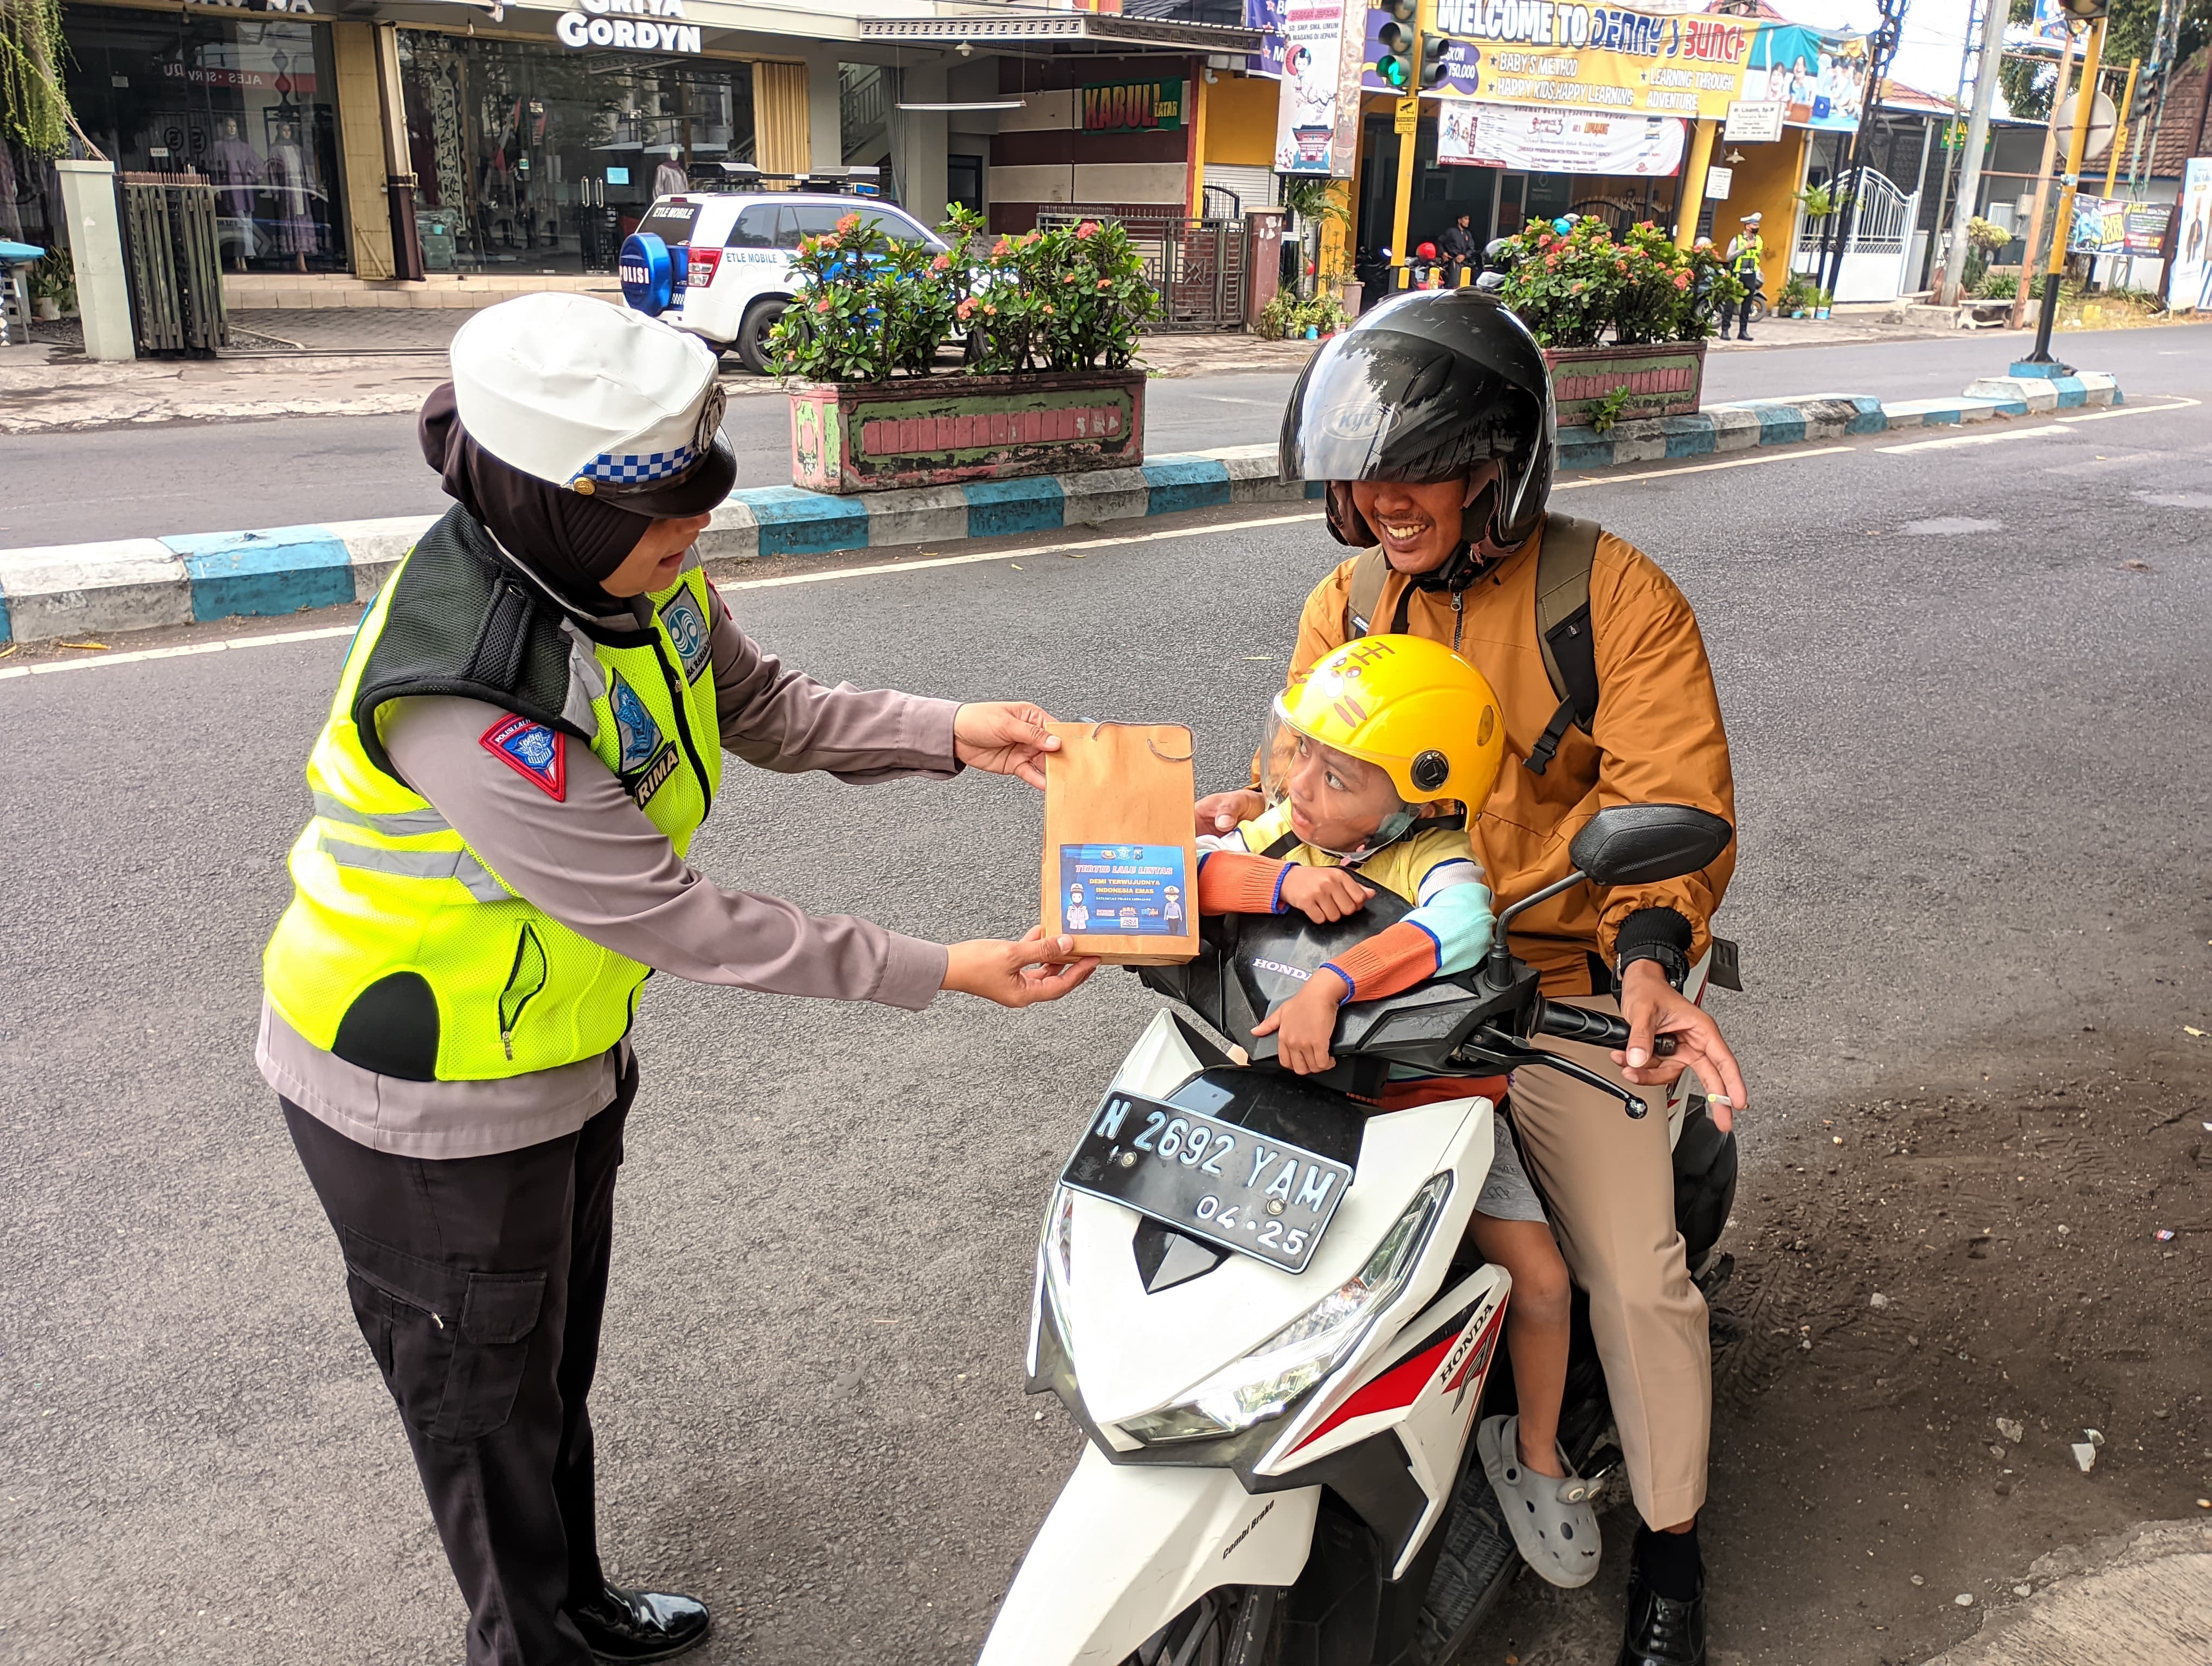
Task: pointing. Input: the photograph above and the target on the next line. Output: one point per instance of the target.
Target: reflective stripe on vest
(384, 886)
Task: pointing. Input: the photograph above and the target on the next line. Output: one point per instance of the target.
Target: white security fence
(1878, 241)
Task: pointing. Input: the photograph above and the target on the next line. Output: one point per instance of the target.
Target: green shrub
(1072, 298)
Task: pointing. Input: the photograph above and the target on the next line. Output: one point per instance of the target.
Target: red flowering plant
(1071, 298)
(1573, 287)
(869, 307)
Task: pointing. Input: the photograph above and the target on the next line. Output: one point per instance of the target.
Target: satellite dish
(2104, 117)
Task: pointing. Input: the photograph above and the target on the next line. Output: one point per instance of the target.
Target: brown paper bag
(1120, 859)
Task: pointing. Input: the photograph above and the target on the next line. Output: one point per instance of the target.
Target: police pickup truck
(718, 262)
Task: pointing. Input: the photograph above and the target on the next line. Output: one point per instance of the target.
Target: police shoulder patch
(532, 751)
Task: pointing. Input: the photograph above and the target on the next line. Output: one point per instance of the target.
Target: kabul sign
(642, 25)
(1558, 55)
(1130, 106)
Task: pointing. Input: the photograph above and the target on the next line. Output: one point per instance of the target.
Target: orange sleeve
(1236, 882)
(1395, 959)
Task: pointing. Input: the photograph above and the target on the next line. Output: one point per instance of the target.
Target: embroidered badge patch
(532, 750)
(687, 628)
(634, 725)
(643, 785)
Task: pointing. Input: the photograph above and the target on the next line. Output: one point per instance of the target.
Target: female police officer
(527, 733)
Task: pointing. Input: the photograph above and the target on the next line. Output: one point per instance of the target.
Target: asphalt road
(72, 488)
(1966, 688)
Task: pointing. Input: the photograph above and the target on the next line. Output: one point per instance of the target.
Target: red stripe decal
(1399, 1386)
(1479, 1355)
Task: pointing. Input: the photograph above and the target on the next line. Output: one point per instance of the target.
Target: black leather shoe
(630, 1626)
(1661, 1631)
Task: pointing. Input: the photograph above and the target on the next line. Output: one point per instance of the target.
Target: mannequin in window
(236, 170)
(669, 179)
(291, 180)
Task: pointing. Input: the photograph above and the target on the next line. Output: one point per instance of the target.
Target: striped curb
(129, 584)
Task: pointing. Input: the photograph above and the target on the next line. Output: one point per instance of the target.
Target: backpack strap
(1563, 628)
(1371, 570)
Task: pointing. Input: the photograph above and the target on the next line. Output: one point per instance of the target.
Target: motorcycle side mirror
(1635, 844)
(1628, 844)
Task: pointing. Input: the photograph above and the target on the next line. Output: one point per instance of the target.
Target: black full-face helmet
(1427, 386)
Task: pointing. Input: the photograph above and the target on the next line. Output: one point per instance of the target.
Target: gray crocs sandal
(1553, 1523)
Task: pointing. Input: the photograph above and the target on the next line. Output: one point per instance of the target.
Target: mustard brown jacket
(1658, 739)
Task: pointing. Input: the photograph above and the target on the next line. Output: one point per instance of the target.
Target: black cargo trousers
(479, 1283)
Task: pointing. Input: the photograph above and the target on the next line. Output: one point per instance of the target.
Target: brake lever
(1494, 1045)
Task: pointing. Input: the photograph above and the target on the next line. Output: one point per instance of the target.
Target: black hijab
(569, 540)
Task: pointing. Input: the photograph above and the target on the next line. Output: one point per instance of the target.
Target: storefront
(542, 157)
(247, 99)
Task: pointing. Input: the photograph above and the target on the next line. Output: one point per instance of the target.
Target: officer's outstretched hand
(1006, 736)
(1021, 973)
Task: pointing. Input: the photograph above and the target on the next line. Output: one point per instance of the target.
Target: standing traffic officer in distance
(527, 734)
(1431, 421)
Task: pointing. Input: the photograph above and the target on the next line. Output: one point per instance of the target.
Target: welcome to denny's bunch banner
(1559, 54)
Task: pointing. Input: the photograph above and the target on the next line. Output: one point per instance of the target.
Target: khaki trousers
(1609, 1180)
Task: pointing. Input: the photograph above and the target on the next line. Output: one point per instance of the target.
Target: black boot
(1661, 1631)
(630, 1626)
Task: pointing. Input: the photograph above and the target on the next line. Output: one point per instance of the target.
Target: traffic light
(1395, 66)
(1433, 48)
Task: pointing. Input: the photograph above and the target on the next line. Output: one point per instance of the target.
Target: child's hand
(1306, 1023)
(1323, 894)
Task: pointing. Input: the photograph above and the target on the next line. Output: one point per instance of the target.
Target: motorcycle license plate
(1213, 1179)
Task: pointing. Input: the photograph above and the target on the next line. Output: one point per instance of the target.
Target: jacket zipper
(529, 969)
(1459, 618)
(678, 695)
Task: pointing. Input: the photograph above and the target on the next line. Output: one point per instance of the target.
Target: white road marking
(878, 571)
(183, 650)
(2174, 402)
(186, 649)
(1957, 439)
(1703, 468)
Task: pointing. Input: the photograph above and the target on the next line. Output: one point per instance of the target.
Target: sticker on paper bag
(1129, 889)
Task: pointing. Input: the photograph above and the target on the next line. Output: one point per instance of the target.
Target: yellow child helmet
(1410, 707)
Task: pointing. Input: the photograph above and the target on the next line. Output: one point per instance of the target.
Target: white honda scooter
(1253, 1295)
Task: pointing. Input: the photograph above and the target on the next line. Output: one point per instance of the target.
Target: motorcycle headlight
(1059, 1251)
(1264, 1382)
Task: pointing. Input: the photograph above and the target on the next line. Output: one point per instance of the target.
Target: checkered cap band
(617, 473)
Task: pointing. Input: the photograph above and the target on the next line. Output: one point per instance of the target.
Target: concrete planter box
(944, 430)
(1664, 379)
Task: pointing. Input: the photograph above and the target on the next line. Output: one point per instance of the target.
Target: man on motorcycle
(1432, 420)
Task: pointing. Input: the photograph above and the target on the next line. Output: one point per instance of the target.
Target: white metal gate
(1877, 242)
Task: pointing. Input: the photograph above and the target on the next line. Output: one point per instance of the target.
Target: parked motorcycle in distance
(1253, 1294)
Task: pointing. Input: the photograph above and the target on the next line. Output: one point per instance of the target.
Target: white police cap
(598, 398)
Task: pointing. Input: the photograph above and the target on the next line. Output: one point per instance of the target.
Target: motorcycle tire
(1759, 309)
(1234, 1625)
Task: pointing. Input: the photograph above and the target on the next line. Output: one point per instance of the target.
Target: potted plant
(1984, 238)
(1051, 320)
(53, 282)
(1622, 322)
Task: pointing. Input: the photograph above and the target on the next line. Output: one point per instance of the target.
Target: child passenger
(1373, 764)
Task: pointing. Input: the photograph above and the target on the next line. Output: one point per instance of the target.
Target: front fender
(1127, 1548)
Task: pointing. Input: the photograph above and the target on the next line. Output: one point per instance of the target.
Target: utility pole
(1880, 48)
(2085, 111)
(1977, 136)
(2019, 314)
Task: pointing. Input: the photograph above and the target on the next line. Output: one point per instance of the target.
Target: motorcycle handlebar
(1578, 1023)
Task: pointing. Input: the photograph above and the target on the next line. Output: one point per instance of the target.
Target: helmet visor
(1341, 804)
(1380, 405)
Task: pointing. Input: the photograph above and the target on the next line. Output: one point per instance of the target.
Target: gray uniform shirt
(593, 861)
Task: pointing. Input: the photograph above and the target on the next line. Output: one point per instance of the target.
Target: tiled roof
(2178, 136)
